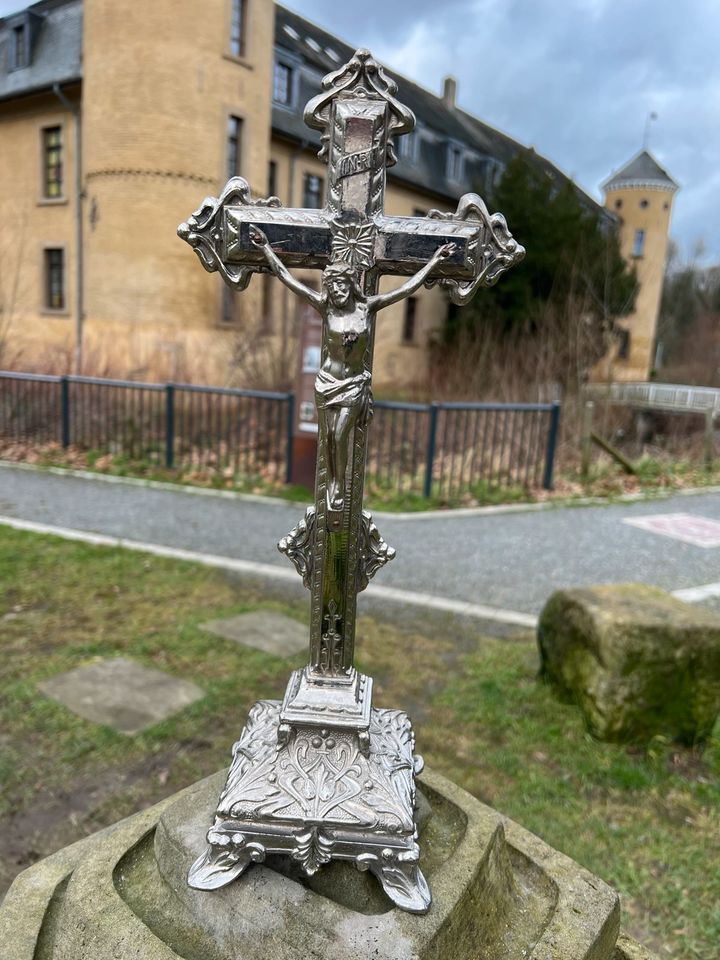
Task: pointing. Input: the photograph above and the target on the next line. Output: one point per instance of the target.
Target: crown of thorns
(340, 269)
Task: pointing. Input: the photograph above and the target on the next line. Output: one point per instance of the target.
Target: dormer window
(493, 173)
(455, 162)
(407, 146)
(19, 47)
(283, 84)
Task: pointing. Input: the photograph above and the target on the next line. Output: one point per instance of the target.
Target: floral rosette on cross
(353, 240)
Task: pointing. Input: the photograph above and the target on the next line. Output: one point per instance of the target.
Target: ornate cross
(326, 721)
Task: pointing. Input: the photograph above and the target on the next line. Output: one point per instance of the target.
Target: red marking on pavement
(699, 531)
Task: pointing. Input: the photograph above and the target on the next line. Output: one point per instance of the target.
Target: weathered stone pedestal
(499, 893)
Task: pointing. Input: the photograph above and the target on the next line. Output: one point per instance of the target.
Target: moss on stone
(638, 662)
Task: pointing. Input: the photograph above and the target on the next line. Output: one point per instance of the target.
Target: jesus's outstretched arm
(258, 239)
(414, 283)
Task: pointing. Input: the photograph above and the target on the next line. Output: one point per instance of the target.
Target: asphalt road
(508, 560)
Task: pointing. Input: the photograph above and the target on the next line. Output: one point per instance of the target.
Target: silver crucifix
(324, 775)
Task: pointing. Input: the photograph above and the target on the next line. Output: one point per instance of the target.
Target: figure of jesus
(342, 387)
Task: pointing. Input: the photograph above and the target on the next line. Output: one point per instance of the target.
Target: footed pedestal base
(319, 795)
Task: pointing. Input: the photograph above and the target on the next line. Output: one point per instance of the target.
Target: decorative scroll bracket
(494, 249)
(298, 546)
(204, 231)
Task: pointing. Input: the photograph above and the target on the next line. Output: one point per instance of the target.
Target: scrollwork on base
(224, 860)
(313, 850)
(400, 877)
(315, 795)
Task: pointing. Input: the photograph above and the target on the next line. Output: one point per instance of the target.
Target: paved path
(505, 560)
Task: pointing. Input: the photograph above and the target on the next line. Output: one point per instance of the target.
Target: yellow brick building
(117, 119)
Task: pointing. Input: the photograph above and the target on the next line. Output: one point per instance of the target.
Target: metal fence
(673, 397)
(174, 424)
(448, 448)
(439, 448)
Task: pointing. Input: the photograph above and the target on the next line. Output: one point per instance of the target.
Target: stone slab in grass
(121, 694)
(637, 661)
(265, 630)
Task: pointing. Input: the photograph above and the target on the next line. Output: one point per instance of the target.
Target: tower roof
(642, 171)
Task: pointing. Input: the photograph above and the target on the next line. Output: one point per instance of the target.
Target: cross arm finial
(361, 77)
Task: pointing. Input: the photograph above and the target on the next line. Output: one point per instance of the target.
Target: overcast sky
(576, 79)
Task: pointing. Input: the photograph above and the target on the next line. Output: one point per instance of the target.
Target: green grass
(646, 821)
(652, 475)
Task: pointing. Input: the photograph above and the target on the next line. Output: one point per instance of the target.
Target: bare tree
(12, 272)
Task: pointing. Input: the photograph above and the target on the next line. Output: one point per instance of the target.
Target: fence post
(290, 426)
(709, 439)
(432, 433)
(169, 424)
(65, 412)
(586, 438)
(550, 448)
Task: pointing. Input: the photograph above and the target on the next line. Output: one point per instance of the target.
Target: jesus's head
(341, 285)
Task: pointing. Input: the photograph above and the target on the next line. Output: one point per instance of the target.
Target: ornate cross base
(320, 796)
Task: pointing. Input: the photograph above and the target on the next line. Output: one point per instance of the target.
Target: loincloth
(354, 391)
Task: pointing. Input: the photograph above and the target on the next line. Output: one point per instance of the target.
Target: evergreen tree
(572, 264)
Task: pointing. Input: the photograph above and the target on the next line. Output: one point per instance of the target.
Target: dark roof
(316, 52)
(642, 171)
(55, 28)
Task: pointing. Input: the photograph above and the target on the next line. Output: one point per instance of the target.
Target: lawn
(647, 821)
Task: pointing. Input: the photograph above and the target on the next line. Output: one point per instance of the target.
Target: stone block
(121, 694)
(499, 893)
(637, 661)
(265, 630)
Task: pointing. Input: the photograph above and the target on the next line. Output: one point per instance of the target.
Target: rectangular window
(312, 191)
(408, 333)
(19, 48)
(407, 147)
(272, 179)
(454, 163)
(54, 279)
(52, 162)
(234, 131)
(638, 243)
(282, 84)
(237, 27)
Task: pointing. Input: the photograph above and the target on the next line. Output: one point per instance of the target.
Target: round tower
(640, 195)
(176, 98)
